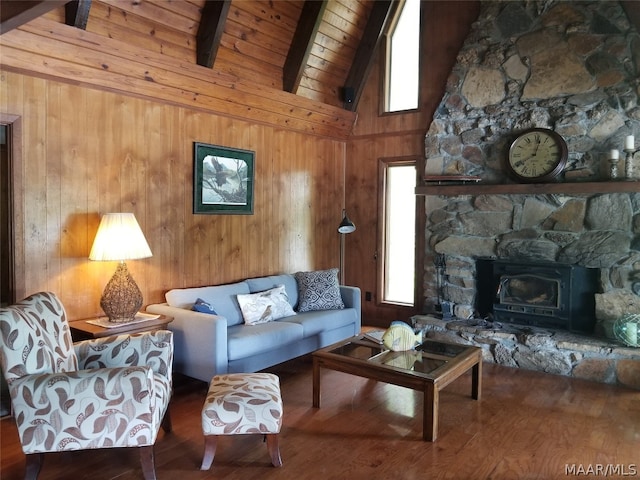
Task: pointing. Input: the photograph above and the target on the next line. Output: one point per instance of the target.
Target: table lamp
(120, 238)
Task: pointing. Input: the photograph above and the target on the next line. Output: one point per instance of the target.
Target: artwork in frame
(222, 180)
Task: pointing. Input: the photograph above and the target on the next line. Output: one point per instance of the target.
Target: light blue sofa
(206, 345)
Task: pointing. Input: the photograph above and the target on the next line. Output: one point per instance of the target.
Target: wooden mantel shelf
(622, 186)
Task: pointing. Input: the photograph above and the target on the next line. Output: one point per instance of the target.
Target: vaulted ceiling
(321, 50)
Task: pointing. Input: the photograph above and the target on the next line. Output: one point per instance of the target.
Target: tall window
(398, 231)
(403, 59)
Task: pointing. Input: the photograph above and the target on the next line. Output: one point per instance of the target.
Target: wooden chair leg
(33, 464)
(166, 421)
(210, 444)
(148, 463)
(274, 449)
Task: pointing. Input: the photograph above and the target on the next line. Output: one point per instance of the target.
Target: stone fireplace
(573, 67)
(590, 233)
(580, 231)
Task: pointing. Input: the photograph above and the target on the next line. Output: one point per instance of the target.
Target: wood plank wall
(86, 152)
(107, 128)
(108, 120)
(377, 137)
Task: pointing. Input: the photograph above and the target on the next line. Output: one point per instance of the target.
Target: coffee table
(429, 368)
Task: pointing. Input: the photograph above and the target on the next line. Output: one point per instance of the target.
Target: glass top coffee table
(429, 368)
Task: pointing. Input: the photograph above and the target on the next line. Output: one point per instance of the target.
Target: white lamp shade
(119, 238)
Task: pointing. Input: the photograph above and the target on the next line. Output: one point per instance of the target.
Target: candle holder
(628, 162)
(613, 168)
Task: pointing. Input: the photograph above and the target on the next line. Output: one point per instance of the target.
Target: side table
(83, 330)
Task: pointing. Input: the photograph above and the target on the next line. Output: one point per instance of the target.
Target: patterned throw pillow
(203, 307)
(319, 290)
(263, 307)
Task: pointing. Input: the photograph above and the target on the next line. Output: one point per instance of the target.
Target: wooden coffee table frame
(429, 383)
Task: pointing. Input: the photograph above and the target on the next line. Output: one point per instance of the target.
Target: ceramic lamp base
(121, 298)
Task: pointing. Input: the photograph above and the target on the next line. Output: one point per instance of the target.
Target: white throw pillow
(263, 307)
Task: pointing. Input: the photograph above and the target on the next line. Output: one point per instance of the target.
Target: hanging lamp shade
(346, 226)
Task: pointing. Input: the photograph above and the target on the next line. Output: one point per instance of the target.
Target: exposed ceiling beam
(380, 14)
(212, 20)
(76, 13)
(308, 25)
(18, 12)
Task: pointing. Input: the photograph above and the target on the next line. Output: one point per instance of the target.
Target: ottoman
(242, 403)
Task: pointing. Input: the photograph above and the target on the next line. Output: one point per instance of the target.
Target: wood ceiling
(321, 50)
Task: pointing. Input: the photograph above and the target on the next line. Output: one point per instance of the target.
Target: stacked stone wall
(599, 231)
(573, 67)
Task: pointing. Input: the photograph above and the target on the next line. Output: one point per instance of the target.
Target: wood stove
(541, 294)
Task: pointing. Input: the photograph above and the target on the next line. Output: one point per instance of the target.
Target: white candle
(629, 143)
(631, 334)
(615, 154)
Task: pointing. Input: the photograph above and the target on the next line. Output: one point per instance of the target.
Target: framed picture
(222, 180)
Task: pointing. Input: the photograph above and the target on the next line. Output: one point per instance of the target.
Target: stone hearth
(551, 351)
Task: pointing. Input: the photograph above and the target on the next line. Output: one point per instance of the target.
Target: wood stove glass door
(529, 290)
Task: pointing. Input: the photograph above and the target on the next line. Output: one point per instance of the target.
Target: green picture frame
(223, 180)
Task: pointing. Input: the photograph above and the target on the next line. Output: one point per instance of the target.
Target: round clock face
(537, 155)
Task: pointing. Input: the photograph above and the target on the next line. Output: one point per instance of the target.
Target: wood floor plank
(528, 425)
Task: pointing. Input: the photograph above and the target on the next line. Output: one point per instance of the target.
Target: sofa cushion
(260, 284)
(318, 290)
(262, 307)
(244, 340)
(222, 299)
(203, 307)
(316, 322)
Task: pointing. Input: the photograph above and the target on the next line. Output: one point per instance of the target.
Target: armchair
(110, 392)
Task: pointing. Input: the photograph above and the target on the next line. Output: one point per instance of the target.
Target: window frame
(383, 166)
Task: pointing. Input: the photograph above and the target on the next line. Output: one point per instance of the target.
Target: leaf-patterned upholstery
(101, 393)
(242, 403)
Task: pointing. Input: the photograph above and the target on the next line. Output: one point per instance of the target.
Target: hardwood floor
(528, 425)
